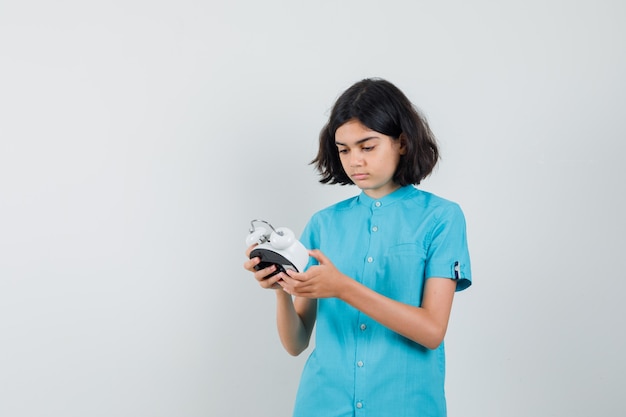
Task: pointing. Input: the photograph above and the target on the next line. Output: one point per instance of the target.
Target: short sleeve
(448, 254)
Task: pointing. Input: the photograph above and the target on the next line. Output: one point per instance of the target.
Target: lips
(359, 176)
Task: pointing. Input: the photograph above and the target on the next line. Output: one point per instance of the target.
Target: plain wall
(139, 138)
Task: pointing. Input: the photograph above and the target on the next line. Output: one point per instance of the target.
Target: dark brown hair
(382, 107)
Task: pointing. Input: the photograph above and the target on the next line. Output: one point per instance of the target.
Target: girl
(383, 270)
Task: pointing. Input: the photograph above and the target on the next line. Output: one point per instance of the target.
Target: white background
(138, 139)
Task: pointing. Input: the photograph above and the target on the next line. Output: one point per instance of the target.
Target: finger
(295, 276)
(296, 283)
(296, 290)
(286, 281)
(251, 263)
(270, 282)
(319, 256)
(285, 286)
(249, 249)
(262, 274)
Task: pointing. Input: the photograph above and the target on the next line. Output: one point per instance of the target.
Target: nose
(356, 159)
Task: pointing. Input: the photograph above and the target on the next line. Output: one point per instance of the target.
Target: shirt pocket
(402, 277)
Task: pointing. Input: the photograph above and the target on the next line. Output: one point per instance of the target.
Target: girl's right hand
(261, 275)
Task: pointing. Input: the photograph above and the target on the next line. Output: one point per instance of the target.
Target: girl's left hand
(319, 281)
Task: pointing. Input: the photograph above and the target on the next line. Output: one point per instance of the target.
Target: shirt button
(377, 204)
(363, 326)
(359, 364)
(370, 259)
(375, 229)
(359, 405)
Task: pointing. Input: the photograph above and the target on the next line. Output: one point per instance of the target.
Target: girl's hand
(319, 281)
(262, 275)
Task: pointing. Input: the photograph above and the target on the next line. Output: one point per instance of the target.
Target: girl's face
(369, 158)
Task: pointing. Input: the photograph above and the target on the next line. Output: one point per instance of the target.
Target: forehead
(353, 131)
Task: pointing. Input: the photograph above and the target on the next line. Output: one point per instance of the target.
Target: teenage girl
(384, 267)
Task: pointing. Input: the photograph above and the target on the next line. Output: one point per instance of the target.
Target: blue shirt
(391, 245)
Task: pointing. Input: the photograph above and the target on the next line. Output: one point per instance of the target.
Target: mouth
(359, 176)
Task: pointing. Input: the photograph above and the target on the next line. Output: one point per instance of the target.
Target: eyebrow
(358, 141)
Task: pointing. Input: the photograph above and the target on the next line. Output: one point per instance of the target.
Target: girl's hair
(382, 107)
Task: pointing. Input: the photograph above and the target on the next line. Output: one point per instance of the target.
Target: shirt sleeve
(448, 255)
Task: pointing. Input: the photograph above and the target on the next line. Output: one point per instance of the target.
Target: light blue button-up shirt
(391, 245)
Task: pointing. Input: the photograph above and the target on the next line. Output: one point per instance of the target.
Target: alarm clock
(276, 246)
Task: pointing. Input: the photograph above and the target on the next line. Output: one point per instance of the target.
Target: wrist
(282, 295)
(344, 287)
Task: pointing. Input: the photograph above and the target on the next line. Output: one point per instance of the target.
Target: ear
(402, 140)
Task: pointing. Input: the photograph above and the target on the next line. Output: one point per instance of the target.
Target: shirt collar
(387, 200)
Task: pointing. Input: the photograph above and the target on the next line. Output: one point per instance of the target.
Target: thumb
(319, 257)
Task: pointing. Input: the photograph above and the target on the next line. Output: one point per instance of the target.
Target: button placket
(373, 229)
(368, 278)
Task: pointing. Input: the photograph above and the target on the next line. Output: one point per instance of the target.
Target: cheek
(391, 163)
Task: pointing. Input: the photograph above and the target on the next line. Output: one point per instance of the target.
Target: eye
(342, 151)
(368, 148)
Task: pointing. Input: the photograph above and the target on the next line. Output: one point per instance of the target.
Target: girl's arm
(425, 325)
(295, 318)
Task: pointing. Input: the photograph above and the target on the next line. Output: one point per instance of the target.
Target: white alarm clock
(276, 246)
